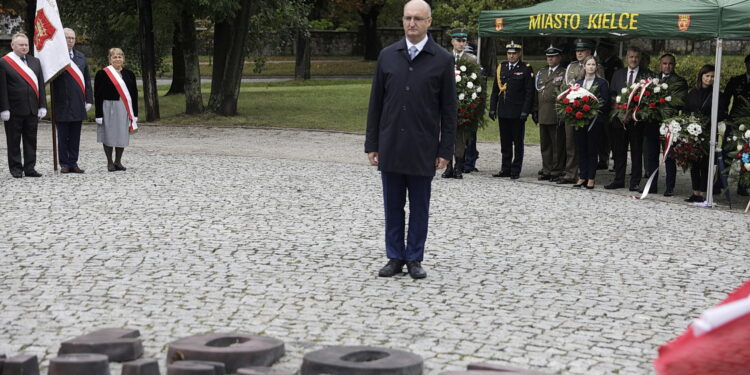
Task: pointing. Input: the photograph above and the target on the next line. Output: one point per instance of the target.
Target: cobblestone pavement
(279, 232)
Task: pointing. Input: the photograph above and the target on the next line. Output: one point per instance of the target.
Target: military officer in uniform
(464, 138)
(584, 48)
(739, 87)
(510, 103)
(552, 141)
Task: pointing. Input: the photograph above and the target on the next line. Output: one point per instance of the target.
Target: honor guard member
(739, 87)
(547, 84)
(466, 147)
(584, 48)
(510, 103)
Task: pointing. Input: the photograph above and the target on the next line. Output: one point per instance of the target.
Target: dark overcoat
(413, 108)
(18, 96)
(519, 90)
(68, 99)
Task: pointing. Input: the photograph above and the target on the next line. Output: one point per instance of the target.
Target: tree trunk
(148, 60)
(370, 39)
(178, 62)
(302, 61)
(229, 57)
(191, 65)
(489, 57)
(30, 27)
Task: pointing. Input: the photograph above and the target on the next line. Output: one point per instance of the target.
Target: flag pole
(54, 125)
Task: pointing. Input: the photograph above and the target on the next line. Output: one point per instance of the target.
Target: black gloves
(535, 117)
(492, 115)
(524, 116)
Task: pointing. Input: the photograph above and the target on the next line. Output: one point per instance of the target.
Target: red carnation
(568, 109)
(566, 101)
(624, 106)
(579, 115)
(472, 106)
(576, 103)
(460, 110)
(662, 101)
(636, 98)
(586, 107)
(467, 114)
(647, 93)
(585, 98)
(651, 105)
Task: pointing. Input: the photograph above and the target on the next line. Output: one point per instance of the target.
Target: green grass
(336, 105)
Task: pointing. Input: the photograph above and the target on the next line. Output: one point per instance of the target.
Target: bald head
(417, 19)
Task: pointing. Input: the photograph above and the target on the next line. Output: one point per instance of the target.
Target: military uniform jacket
(18, 97)
(738, 86)
(547, 87)
(413, 108)
(68, 98)
(518, 94)
(470, 56)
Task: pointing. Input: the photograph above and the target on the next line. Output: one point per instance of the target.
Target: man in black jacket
(625, 131)
(511, 100)
(72, 98)
(411, 129)
(22, 103)
(678, 89)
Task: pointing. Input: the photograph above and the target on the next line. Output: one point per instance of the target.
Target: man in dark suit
(611, 64)
(678, 89)
(71, 102)
(411, 126)
(625, 132)
(511, 100)
(22, 104)
(739, 87)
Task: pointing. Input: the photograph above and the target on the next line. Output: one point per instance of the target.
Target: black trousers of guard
(512, 132)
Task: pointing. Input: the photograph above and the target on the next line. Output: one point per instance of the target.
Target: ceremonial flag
(49, 39)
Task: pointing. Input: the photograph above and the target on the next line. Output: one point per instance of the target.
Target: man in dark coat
(411, 126)
(511, 100)
(678, 89)
(737, 90)
(71, 102)
(625, 131)
(22, 103)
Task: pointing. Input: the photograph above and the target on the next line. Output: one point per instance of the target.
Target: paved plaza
(280, 233)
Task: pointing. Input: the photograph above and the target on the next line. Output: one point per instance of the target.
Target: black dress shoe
(695, 198)
(544, 177)
(540, 172)
(111, 167)
(501, 174)
(32, 173)
(669, 193)
(16, 174)
(515, 177)
(64, 170)
(613, 186)
(579, 184)
(120, 167)
(562, 181)
(392, 268)
(415, 270)
(634, 188)
(76, 170)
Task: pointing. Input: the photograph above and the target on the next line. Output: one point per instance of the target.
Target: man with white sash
(116, 98)
(72, 98)
(23, 102)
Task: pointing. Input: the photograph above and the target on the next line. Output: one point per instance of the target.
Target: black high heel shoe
(581, 183)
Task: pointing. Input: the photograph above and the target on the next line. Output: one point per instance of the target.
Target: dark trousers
(68, 143)
(587, 148)
(17, 129)
(651, 151)
(671, 168)
(605, 146)
(571, 157)
(699, 174)
(471, 154)
(622, 138)
(512, 132)
(395, 188)
(552, 163)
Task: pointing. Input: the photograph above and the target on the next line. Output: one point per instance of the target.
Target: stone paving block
(234, 350)
(485, 372)
(259, 370)
(361, 360)
(79, 363)
(502, 369)
(196, 368)
(21, 365)
(141, 367)
(118, 344)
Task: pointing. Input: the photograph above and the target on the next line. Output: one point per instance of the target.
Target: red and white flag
(49, 39)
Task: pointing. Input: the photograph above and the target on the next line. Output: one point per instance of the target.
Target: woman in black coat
(587, 137)
(698, 102)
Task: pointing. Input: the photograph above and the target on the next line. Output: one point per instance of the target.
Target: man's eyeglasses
(414, 19)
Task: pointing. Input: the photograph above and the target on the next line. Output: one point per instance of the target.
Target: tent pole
(479, 50)
(714, 125)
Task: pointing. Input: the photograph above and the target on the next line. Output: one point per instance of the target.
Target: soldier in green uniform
(551, 133)
(511, 103)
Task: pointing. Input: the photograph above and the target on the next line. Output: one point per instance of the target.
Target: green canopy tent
(627, 19)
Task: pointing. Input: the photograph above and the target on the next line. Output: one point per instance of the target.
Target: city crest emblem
(44, 30)
(683, 21)
(499, 24)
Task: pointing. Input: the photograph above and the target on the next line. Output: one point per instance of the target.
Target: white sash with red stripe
(122, 89)
(77, 75)
(23, 70)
